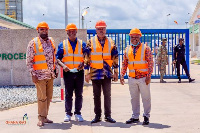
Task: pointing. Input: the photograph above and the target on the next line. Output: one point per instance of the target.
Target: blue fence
(150, 37)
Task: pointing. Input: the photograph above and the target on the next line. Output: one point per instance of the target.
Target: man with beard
(42, 65)
(70, 58)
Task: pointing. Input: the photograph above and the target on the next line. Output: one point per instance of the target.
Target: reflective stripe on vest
(99, 54)
(72, 59)
(139, 63)
(39, 58)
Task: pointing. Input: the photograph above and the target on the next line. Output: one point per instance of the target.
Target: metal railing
(150, 37)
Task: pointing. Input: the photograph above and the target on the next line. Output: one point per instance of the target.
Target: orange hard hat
(71, 27)
(100, 24)
(42, 25)
(135, 31)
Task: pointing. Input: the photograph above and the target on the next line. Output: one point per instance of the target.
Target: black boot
(146, 121)
(190, 80)
(96, 119)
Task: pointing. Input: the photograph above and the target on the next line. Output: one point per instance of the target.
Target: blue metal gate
(150, 37)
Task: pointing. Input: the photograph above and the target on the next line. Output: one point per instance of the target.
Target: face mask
(44, 36)
(136, 44)
(73, 70)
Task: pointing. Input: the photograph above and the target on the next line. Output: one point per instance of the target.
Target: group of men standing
(95, 60)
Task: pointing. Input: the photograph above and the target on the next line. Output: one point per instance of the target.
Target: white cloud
(118, 14)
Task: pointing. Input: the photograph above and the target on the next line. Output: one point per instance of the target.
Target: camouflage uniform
(162, 60)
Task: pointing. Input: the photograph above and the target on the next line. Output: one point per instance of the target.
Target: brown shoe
(40, 124)
(47, 121)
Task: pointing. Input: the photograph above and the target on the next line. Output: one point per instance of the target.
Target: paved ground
(175, 108)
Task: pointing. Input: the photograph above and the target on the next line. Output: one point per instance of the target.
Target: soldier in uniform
(162, 59)
(179, 58)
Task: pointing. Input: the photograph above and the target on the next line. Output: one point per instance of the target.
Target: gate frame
(151, 31)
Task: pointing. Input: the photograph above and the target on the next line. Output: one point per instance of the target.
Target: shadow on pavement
(64, 126)
(68, 125)
(117, 124)
(171, 82)
(156, 126)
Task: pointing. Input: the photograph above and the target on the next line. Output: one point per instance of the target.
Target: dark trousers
(105, 84)
(183, 63)
(73, 82)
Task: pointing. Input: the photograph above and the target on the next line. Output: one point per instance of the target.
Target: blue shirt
(60, 51)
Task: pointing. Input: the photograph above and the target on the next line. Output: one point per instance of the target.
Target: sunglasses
(43, 29)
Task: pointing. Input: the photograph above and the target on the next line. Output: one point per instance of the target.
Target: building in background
(10, 23)
(195, 32)
(12, 8)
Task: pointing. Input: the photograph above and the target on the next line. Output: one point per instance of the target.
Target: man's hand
(66, 69)
(56, 75)
(174, 62)
(87, 78)
(34, 79)
(115, 77)
(148, 80)
(122, 80)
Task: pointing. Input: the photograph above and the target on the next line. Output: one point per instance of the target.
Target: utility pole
(66, 14)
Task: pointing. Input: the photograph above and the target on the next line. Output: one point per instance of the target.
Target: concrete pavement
(175, 108)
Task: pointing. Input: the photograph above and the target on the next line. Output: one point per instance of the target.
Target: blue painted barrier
(150, 36)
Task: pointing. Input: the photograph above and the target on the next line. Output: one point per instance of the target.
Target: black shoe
(146, 121)
(179, 81)
(96, 119)
(132, 120)
(163, 81)
(109, 119)
(190, 80)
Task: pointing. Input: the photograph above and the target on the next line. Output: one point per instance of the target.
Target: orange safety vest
(39, 58)
(138, 63)
(72, 59)
(98, 55)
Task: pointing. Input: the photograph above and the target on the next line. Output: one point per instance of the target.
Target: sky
(118, 14)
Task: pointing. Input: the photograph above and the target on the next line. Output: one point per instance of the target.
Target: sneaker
(67, 118)
(79, 118)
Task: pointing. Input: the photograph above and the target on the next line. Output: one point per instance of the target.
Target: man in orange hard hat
(43, 67)
(70, 58)
(138, 58)
(102, 57)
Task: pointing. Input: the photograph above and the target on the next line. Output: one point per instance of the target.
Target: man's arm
(59, 57)
(124, 64)
(124, 67)
(87, 55)
(175, 55)
(30, 53)
(87, 58)
(114, 56)
(149, 59)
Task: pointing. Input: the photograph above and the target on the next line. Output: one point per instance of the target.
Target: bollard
(62, 83)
